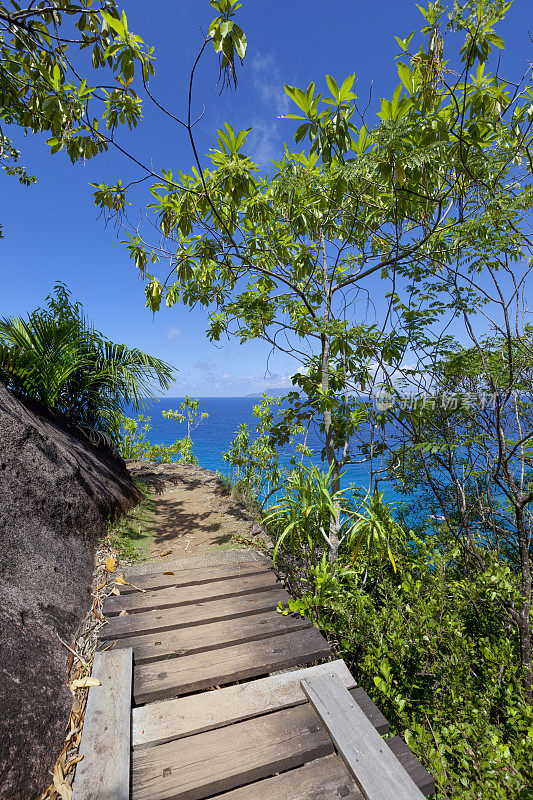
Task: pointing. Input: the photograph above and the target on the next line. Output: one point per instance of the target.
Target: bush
(431, 643)
(134, 443)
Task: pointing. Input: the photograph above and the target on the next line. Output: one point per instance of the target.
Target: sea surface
(214, 435)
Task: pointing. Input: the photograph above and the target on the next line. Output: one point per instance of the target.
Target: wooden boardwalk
(208, 691)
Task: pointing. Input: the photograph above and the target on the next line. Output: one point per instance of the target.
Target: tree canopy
(75, 70)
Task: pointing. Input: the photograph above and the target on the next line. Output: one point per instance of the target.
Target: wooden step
(323, 779)
(192, 576)
(200, 766)
(186, 674)
(328, 778)
(197, 614)
(186, 641)
(156, 723)
(174, 596)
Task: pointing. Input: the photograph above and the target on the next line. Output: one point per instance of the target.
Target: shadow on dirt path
(194, 512)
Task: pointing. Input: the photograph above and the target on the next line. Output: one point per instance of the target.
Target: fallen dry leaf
(115, 591)
(111, 564)
(166, 553)
(58, 768)
(84, 683)
(62, 788)
(169, 572)
(121, 580)
(123, 614)
(74, 761)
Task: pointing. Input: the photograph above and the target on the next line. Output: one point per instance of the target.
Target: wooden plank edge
(423, 779)
(370, 709)
(104, 770)
(375, 769)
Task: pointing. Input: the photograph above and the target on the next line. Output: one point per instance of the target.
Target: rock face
(56, 493)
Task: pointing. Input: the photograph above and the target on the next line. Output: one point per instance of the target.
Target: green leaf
(56, 76)
(496, 40)
(113, 23)
(334, 89)
(239, 43)
(347, 84)
(404, 73)
(404, 43)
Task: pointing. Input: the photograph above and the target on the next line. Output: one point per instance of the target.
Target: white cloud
(206, 377)
(173, 333)
(264, 142)
(268, 83)
(272, 103)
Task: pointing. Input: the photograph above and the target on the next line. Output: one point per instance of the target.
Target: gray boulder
(57, 492)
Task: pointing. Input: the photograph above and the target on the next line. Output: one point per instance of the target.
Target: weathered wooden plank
(156, 723)
(200, 766)
(376, 770)
(104, 771)
(186, 641)
(423, 779)
(192, 576)
(197, 614)
(175, 596)
(326, 778)
(323, 779)
(228, 664)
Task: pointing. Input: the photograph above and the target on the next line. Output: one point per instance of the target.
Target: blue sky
(52, 231)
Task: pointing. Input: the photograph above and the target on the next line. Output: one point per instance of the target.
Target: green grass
(132, 534)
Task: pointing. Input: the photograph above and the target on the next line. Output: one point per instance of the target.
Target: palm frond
(57, 357)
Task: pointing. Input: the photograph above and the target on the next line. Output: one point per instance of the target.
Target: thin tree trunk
(327, 417)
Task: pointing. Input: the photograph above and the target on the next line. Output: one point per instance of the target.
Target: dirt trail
(194, 513)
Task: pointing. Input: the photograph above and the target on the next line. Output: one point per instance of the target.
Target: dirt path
(194, 514)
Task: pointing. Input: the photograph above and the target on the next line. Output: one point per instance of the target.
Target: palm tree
(57, 357)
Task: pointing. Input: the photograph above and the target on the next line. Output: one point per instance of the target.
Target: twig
(74, 653)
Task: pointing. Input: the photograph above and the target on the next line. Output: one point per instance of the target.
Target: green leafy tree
(294, 258)
(189, 414)
(75, 70)
(469, 445)
(57, 357)
(45, 49)
(253, 456)
(134, 441)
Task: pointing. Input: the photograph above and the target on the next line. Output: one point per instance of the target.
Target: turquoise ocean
(213, 436)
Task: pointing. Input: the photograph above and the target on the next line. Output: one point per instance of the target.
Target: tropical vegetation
(429, 385)
(431, 203)
(134, 442)
(57, 356)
